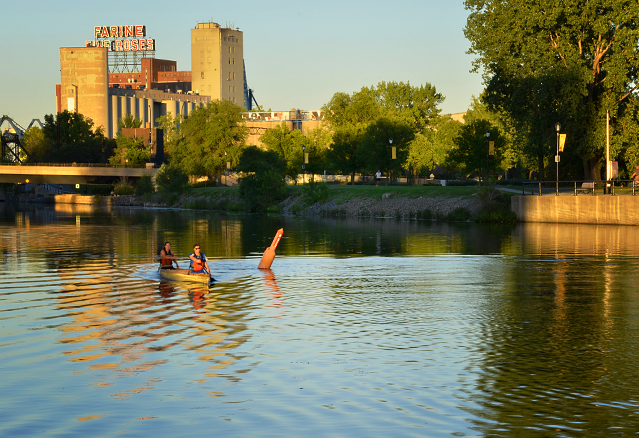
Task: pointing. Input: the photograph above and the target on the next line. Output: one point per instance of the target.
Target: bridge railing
(126, 166)
(592, 187)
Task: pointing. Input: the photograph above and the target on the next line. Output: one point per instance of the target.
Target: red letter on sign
(134, 45)
(113, 31)
(96, 31)
(150, 44)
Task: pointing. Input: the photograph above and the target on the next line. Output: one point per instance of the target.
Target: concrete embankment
(580, 209)
(83, 199)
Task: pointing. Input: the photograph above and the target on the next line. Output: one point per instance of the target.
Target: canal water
(368, 328)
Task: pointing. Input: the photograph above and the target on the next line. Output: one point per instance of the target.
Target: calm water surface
(362, 328)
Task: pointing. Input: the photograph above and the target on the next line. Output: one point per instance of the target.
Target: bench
(585, 187)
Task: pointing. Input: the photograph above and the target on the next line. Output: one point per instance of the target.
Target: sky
(297, 54)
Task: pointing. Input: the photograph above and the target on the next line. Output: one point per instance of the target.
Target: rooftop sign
(122, 39)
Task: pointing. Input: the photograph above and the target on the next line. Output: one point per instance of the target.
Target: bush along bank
(484, 204)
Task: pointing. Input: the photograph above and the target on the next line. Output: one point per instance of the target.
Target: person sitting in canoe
(167, 257)
(198, 261)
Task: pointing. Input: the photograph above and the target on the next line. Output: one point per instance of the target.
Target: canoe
(184, 275)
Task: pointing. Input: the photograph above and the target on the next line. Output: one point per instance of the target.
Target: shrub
(123, 188)
(145, 186)
(171, 178)
(315, 192)
(459, 214)
(263, 182)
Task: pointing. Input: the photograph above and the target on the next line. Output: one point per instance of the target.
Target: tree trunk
(540, 164)
(592, 170)
(353, 178)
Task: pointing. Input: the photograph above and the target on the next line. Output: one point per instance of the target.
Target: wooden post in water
(269, 254)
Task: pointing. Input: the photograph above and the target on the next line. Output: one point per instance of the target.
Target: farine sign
(122, 39)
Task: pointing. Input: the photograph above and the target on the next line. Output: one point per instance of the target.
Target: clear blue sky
(297, 54)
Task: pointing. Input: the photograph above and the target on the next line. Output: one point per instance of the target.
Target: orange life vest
(166, 262)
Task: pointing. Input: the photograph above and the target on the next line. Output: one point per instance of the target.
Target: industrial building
(117, 74)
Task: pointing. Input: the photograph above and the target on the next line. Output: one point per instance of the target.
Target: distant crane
(248, 93)
(12, 150)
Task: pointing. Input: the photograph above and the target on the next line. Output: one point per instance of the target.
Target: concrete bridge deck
(69, 174)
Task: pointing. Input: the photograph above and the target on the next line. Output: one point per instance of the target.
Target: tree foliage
(36, 144)
(568, 62)
(130, 152)
(72, 138)
(431, 146)
(210, 136)
(363, 121)
(262, 183)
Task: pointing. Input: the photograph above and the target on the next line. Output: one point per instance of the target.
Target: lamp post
(557, 128)
(303, 164)
(390, 161)
(487, 153)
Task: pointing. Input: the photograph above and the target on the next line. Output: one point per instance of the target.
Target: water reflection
(375, 327)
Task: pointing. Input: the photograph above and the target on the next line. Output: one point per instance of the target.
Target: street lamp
(303, 164)
(390, 162)
(557, 128)
(487, 153)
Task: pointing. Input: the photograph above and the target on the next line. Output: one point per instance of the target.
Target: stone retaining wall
(580, 209)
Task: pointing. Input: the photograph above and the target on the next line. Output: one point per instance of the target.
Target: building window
(209, 59)
(202, 74)
(233, 75)
(201, 60)
(233, 61)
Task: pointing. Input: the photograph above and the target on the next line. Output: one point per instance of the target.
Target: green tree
(431, 146)
(389, 103)
(212, 134)
(36, 144)
(171, 178)
(72, 138)
(417, 105)
(288, 145)
(130, 152)
(262, 183)
(567, 62)
(374, 151)
(128, 121)
(470, 153)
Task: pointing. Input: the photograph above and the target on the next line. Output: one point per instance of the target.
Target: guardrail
(76, 165)
(611, 187)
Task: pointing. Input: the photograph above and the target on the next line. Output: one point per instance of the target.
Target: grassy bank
(454, 203)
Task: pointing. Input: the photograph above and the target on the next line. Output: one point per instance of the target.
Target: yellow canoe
(184, 275)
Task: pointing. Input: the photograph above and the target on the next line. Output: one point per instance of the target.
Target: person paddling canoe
(198, 261)
(167, 257)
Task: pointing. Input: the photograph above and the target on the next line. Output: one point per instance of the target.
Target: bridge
(67, 173)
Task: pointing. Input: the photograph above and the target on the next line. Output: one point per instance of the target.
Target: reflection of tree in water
(557, 353)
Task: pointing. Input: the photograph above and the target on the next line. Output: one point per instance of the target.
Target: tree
(171, 178)
(350, 116)
(471, 148)
(130, 152)
(263, 181)
(431, 146)
(128, 121)
(212, 134)
(72, 138)
(288, 145)
(36, 144)
(374, 151)
(567, 62)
